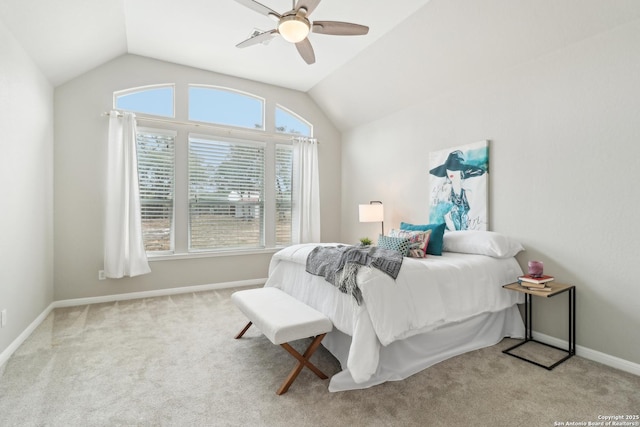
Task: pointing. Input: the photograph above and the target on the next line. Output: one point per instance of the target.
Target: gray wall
(26, 189)
(80, 148)
(565, 154)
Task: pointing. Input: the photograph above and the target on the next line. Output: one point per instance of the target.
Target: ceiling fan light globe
(293, 30)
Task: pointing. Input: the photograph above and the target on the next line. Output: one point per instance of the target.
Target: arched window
(154, 100)
(289, 122)
(236, 188)
(226, 107)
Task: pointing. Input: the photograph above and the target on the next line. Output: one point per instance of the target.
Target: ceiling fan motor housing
(294, 27)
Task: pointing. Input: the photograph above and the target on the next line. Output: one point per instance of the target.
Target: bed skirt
(406, 357)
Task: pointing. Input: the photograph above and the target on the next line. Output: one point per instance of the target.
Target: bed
(436, 308)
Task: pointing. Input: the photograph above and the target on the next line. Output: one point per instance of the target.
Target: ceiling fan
(294, 26)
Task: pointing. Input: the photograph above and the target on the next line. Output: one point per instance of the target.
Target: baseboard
(156, 293)
(6, 354)
(587, 353)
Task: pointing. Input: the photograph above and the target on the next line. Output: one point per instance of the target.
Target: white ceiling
(451, 46)
(69, 37)
(441, 45)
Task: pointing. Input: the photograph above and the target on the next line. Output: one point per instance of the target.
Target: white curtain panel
(306, 184)
(124, 253)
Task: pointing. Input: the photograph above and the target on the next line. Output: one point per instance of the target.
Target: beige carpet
(173, 361)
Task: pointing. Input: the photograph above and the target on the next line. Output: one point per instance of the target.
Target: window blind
(226, 194)
(155, 152)
(284, 205)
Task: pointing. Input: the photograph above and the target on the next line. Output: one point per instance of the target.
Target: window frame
(181, 128)
(262, 100)
(265, 147)
(140, 89)
(174, 134)
(295, 115)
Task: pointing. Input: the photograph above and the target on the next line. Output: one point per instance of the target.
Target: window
(154, 100)
(226, 194)
(225, 107)
(288, 122)
(155, 151)
(222, 188)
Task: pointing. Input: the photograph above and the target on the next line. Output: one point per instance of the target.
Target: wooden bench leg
(303, 360)
(243, 331)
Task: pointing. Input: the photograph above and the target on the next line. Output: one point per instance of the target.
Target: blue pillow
(437, 234)
(400, 244)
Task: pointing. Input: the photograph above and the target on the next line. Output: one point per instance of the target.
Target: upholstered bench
(282, 318)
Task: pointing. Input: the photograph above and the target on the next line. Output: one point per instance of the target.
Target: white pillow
(487, 243)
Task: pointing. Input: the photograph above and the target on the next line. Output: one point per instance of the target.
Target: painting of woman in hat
(459, 187)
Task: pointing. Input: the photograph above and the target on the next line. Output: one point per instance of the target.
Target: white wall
(81, 135)
(565, 156)
(26, 189)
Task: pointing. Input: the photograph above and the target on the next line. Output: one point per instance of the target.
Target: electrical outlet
(101, 275)
(3, 318)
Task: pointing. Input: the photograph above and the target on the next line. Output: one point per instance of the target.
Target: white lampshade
(293, 30)
(371, 213)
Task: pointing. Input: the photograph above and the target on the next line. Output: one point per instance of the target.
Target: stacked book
(539, 283)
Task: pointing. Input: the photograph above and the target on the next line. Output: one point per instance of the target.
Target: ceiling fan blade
(260, 8)
(262, 37)
(337, 28)
(306, 51)
(308, 5)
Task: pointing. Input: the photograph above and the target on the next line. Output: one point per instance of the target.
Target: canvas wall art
(459, 180)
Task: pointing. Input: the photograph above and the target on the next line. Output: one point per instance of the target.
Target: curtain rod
(221, 129)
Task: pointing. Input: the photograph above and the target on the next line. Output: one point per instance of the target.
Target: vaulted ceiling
(415, 50)
(68, 37)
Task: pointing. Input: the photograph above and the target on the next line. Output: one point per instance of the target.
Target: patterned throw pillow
(399, 244)
(435, 240)
(419, 240)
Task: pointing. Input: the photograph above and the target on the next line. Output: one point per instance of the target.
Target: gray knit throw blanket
(339, 265)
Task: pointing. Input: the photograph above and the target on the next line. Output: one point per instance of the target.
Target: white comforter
(427, 293)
